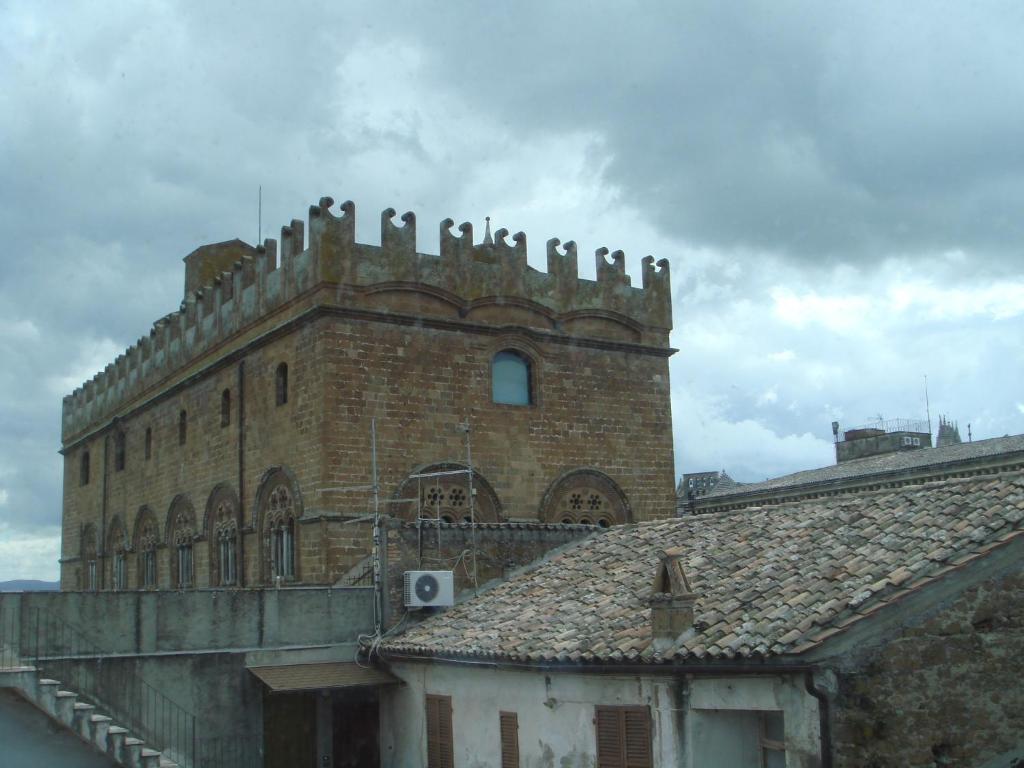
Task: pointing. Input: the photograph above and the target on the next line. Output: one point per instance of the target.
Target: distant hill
(28, 585)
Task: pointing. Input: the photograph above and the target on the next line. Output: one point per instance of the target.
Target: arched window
(281, 525)
(119, 451)
(117, 546)
(227, 556)
(225, 407)
(182, 427)
(90, 577)
(147, 537)
(183, 550)
(584, 497)
(510, 379)
(149, 443)
(183, 534)
(83, 469)
(281, 384)
(222, 511)
(278, 512)
(443, 493)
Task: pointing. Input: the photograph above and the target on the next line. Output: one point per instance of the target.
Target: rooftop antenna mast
(927, 405)
(259, 216)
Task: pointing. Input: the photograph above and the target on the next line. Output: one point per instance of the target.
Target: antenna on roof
(927, 405)
(259, 217)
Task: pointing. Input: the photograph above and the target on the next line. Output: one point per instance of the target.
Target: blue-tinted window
(510, 379)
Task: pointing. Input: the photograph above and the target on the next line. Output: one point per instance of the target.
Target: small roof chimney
(672, 600)
(209, 261)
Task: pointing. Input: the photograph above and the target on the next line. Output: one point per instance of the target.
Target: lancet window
(224, 544)
(90, 576)
(117, 546)
(147, 540)
(183, 536)
(280, 528)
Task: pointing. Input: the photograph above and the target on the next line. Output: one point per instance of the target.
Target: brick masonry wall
(606, 409)
(594, 408)
(945, 692)
(285, 435)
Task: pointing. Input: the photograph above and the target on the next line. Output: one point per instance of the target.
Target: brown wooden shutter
(440, 747)
(637, 728)
(509, 726)
(623, 737)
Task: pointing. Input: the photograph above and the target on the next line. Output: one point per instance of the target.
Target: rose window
(585, 506)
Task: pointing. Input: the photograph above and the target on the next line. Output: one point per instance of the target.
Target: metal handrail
(60, 651)
(889, 426)
(34, 637)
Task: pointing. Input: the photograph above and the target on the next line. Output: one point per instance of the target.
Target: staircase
(360, 575)
(82, 718)
(28, 663)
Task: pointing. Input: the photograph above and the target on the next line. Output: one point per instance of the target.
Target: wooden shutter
(637, 727)
(623, 737)
(509, 726)
(440, 749)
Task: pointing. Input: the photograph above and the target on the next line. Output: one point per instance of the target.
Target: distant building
(698, 483)
(886, 470)
(881, 437)
(949, 433)
(695, 484)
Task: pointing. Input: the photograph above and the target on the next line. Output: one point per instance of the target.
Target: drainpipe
(824, 721)
(241, 472)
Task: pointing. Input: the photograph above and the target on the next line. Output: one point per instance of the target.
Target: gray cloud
(813, 131)
(842, 154)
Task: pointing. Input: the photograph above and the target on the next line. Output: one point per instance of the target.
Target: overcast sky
(839, 188)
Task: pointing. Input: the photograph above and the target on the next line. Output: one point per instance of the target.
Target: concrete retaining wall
(130, 623)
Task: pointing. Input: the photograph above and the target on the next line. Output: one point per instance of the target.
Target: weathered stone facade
(217, 451)
(945, 691)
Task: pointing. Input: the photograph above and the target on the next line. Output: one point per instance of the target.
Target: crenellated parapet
(490, 283)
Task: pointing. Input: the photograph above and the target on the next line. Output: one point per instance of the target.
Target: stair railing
(63, 652)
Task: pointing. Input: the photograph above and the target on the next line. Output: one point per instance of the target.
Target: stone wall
(593, 408)
(943, 692)
(286, 436)
(588, 414)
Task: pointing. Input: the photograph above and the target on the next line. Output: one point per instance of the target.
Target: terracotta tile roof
(945, 457)
(769, 582)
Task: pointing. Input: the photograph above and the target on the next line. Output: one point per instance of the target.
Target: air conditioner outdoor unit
(429, 589)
